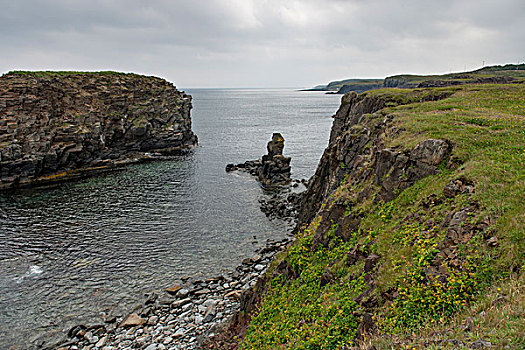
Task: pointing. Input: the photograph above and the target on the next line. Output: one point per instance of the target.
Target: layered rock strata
(356, 151)
(60, 125)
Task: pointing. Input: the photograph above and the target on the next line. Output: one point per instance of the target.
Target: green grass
(486, 126)
(51, 74)
(516, 71)
(510, 70)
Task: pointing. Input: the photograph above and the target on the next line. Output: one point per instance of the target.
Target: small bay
(72, 253)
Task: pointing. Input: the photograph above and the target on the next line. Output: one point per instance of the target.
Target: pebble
(183, 293)
(153, 320)
(181, 317)
(101, 342)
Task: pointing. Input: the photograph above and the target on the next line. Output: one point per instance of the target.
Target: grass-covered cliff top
(79, 77)
(106, 75)
(508, 71)
(430, 291)
(336, 85)
(50, 74)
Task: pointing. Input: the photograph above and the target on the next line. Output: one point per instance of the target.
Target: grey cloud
(260, 42)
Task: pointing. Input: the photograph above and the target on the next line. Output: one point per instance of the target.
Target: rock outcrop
(356, 151)
(60, 125)
(273, 169)
(357, 154)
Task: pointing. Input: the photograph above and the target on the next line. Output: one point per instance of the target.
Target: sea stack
(273, 170)
(60, 125)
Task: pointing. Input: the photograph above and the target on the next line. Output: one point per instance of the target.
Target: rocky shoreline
(185, 316)
(190, 313)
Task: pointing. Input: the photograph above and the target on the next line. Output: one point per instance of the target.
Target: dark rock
(458, 186)
(281, 205)
(150, 298)
(210, 313)
(365, 327)
(275, 146)
(326, 278)
(75, 330)
(110, 319)
(361, 297)
(57, 127)
(480, 344)
(273, 170)
(354, 255)
(371, 261)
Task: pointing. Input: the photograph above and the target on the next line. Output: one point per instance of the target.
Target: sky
(261, 43)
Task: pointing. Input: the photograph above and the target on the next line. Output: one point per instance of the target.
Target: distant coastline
(491, 74)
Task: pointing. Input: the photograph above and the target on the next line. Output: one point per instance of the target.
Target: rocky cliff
(58, 125)
(399, 229)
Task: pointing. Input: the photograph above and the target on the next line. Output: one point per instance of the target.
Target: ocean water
(73, 253)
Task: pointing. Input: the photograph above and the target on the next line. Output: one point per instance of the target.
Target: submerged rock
(185, 322)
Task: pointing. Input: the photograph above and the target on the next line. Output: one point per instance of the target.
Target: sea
(73, 253)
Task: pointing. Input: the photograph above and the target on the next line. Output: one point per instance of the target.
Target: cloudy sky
(260, 43)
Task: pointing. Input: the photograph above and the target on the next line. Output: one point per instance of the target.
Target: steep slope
(411, 228)
(58, 125)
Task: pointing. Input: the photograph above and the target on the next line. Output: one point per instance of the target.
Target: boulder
(133, 320)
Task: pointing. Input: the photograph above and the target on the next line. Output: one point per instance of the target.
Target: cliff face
(356, 150)
(398, 228)
(55, 125)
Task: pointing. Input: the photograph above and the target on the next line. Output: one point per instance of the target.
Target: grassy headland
(445, 257)
(490, 74)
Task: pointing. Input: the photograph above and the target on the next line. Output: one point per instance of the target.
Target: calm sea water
(69, 254)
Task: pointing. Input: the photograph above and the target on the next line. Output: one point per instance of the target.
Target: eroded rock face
(357, 152)
(54, 125)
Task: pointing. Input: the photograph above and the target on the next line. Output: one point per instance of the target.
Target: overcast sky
(260, 43)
